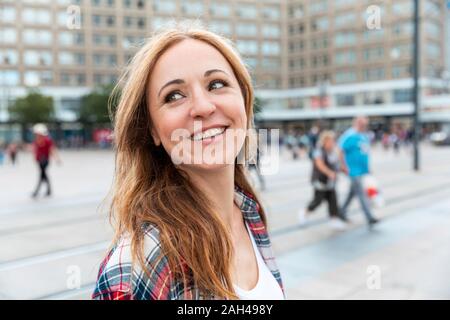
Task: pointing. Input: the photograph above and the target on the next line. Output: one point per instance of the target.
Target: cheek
(168, 122)
(237, 113)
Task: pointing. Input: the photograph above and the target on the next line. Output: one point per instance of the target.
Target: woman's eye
(217, 84)
(173, 96)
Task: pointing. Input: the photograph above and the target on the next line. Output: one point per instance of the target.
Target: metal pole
(416, 90)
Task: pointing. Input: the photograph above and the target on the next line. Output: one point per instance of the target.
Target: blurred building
(67, 47)
(310, 59)
(347, 57)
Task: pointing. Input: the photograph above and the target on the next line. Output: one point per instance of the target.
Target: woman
(325, 169)
(43, 148)
(186, 229)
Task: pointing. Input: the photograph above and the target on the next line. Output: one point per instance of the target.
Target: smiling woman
(183, 229)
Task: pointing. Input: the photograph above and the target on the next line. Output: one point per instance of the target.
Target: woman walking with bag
(325, 168)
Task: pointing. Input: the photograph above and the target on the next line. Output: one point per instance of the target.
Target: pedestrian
(12, 151)
(186, 230)
(324, 174)
(313, 135)
(354, 153)
(43, 148)
(2, 152)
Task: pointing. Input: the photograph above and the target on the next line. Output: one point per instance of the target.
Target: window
(71, 58)
(403, 29)
(432, 8)
(270, 48)
(247, 47)
(9, 78)
(159, 22)
(433, 29)
(8, 36)
(272, 13)
(402, 8)
(251, 62)
(433, 50)
(345, 57)
(7, 14)
(167, 6)
(8, 57)
(220, 9)
(36, 16)
(402, 95)
(371, 54)
(402, 50)
(247, 11)
(296, 11)
(343, 3)
(271, 64)
(318, 6)
(220, 27)
(345, 39)
(37, 58)
(37, 37)
(67, 38)
(345, 99)
(373, 35)
(246, 29)
(345, 76)
(193, 8)
(374, 74)
(96, 20)
(400, 71)
(110, 21)
(320, 24)
(344, 19)
(36, 78)
(271, 31)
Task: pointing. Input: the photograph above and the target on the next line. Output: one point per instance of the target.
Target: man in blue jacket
(354, 146)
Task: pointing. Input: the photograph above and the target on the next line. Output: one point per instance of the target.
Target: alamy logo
(373, 21)
(73, 21)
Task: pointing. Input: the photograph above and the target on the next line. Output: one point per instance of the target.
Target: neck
(218, 185)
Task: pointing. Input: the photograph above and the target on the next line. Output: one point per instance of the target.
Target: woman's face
(196, 106)
(329, 144)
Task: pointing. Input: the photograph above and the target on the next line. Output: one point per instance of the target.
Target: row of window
(398, 8)
(41, 16)
(349, 76)
(39, 78)
(45, 58)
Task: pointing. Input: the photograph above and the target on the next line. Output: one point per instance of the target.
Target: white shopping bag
(372, 189)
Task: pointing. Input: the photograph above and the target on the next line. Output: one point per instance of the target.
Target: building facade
(309, 58)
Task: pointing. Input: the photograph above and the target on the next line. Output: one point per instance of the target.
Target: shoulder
(121, 279)
(317, 153)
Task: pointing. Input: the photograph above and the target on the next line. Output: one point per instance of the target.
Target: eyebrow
(181, 81)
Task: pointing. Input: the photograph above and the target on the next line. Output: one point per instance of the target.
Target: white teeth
(208, 133)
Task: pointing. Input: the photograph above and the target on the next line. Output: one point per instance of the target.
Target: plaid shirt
(118, 280)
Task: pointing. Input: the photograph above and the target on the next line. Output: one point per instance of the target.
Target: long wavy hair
(149, 189)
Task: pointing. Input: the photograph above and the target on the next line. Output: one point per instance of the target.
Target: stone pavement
(46, 242)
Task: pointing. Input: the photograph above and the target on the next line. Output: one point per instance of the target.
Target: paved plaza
(51, 247)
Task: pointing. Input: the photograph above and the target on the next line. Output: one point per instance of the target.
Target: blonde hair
(149, 189)
(325, 135)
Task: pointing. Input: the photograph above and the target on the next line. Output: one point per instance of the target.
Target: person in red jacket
(43, 148)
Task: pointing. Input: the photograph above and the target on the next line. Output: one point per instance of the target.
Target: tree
(257, 109)
(94, 106)
(32, 108)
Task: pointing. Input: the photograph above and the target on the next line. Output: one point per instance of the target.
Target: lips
(208, 133)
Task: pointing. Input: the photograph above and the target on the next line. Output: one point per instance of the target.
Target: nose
(202, 106)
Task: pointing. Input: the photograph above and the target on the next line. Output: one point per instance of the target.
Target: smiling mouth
(210, 133)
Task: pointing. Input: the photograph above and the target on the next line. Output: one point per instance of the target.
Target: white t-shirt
(267, 287)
